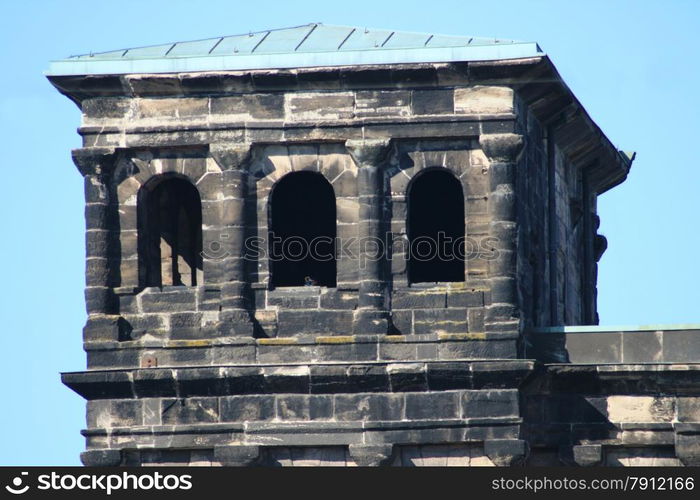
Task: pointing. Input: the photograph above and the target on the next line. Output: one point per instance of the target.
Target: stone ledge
(298, 340)
(397, 377)
(204, 124)
(302, 349)
(640, 379)
(302, 433)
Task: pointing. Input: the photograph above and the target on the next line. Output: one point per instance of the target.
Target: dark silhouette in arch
(169, 233)
(302, 231)
(436, 229)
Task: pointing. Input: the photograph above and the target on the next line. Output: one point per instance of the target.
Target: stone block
(403, 351)
(464, 298)
(244, 379)
(338, 299)
(405, 377)
(681, 346)
(483, 100)
(154, 383)
(287, 379)
(432, 102)
(249, 106)
(200, 381)
(294, 299)
(247, 408)
(106, 328)
(490, 403)
(173, 300)
(354, 351)
(439, 321)
(594, 347)
(382, 103)
(432, 405)
(319, 105)
(313, 321)
(447, 376)
(419, 299)
(688, 409)
(364, 407)
(304, 407)
(189, 411)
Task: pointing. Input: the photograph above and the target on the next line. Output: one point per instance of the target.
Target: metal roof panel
(283, 41)
(366, 39)
(400, 40)
(308, 45)
(325, 38)
(185, 49)
(237, 44)
(148, 52)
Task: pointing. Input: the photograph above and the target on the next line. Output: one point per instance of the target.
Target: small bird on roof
(309, 281)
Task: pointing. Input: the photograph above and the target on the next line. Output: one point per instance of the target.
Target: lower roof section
(613, 345)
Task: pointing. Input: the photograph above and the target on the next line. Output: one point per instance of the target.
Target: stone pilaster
(503, 152)
(235, 318)
(101, 213)
(372, 316)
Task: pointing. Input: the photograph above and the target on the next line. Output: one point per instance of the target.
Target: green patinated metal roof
(309, 45)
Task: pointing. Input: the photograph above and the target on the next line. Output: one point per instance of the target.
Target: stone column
(235, 317)
(101, 216)
(372, 316)
(503, 152)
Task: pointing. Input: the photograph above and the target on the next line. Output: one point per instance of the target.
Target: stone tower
(332, 245)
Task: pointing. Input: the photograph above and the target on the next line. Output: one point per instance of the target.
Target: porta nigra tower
(327, 245)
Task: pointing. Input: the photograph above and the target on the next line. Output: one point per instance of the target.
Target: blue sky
(633, 65)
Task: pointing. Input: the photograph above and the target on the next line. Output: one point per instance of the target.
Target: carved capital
(368, 152)
(502, 147)
(101, 458)
(230, 156)
(366, 455)
(506, 452)
(588, 455)
(687, 437)
(238, 455)
(94, 161)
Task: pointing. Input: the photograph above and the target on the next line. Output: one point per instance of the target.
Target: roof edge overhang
(572, 128)
(73, 67)
(536, 80)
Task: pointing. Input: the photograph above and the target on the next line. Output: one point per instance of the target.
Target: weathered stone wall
(275, 117)
(235, 148)
(617, 414)
(374, 371)
(557, 231)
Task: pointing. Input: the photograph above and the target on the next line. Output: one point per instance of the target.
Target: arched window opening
(170, 233)
(302, 231)
(436, 229)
